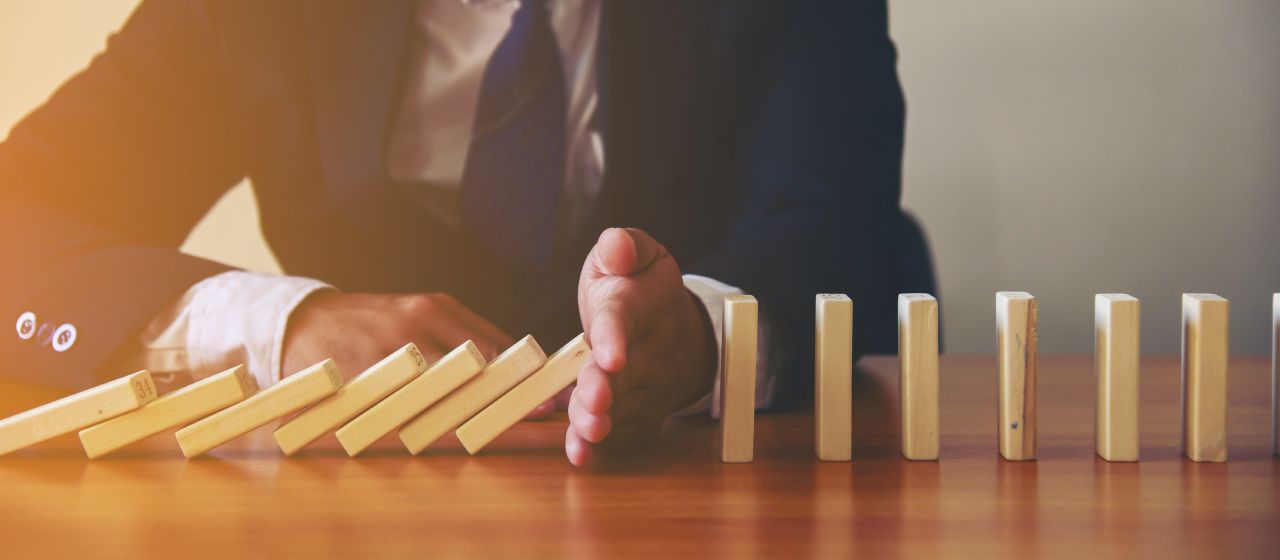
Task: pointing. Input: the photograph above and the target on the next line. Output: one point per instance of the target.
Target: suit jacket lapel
(357, 53)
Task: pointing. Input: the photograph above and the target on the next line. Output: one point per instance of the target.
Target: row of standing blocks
(1205, 355)
(479, 400)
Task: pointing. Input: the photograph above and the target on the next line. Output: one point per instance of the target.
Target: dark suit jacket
(759, 140)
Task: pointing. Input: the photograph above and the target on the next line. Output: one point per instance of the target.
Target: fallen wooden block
(1116, 355)
(77, 411)
(1205, 328)
(560, 371)
(503, 373)
(918, 375)
(173, 410)
(833, 382)
(1016, 354)
(354, 397)
(738, 380)
(289, 395)
(450, 372)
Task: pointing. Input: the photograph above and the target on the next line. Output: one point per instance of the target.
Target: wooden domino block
(354, 397)
(833, 383)
(503, 373)
(77, 411)
(1016, 353)
(1116, 319)
(918, 375)
(1205, 333)
(738, 380)
(1275, 374)
(173, 410)
(560, 371)
(450, 372)
(289, 395)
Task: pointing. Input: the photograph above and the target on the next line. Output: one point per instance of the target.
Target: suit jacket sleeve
(100, 185)
(818, 177)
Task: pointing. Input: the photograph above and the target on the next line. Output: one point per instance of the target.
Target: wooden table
(520, 498)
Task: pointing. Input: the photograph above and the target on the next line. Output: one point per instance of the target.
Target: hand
(358, 330)
(652, 346)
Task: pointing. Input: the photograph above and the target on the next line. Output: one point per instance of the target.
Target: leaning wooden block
(1205, 320)
(738, 380)
(1116, 354)
(77, 411)
(560, 371)
(173, 410)
(833, 383)
(503, 373)
(1016, 353)
(918, 375)
(354, 397)
(449, 373)
(290, 394)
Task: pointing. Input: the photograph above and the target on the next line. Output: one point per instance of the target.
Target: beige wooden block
(174, 410)
(918, 375)
(450, 372)
(738, 380)
(1117, 330)
(354, 397)
(1205, 333)
(77, 411)
(1016, 354)
(560, 371)
(1275, 374)
(833, 380)
(503, 373)
(289, 395)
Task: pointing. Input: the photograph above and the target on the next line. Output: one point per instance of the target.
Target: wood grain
(675, 499)
(833, 382)
(1016, 352)
(1205, 351)
(1117, 331)
(918, 375)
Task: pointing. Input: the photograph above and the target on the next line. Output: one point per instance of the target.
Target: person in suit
(434, 171)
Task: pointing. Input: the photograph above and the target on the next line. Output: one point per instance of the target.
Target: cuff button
(64, 338)
(26, 325)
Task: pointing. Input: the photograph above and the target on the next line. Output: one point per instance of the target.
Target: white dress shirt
(240, 317)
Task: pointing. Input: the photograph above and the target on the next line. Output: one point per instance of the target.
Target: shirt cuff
(711, 293)
(232, 318)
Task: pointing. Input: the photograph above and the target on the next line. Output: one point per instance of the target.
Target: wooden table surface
(520, 498)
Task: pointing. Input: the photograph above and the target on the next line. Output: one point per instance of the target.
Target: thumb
(626, 252)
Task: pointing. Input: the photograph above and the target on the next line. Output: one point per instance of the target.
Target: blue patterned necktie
(514, 172)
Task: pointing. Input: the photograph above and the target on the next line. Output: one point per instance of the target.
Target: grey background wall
(1063, 148)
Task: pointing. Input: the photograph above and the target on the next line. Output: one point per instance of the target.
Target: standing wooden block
(833, 385)
(77, 411)
(354, 397)
(1116, 319)
(450, 372)
(560, 371)
(290, 394)
(503, 373)
(174, 410)
(1205, 332)
(738, 380)
(1275, 374)
(918, 375)
(1016, 352)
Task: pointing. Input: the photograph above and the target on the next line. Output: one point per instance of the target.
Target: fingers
(591, 427)
(576, 449)
(615, 324)
(625, 252)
